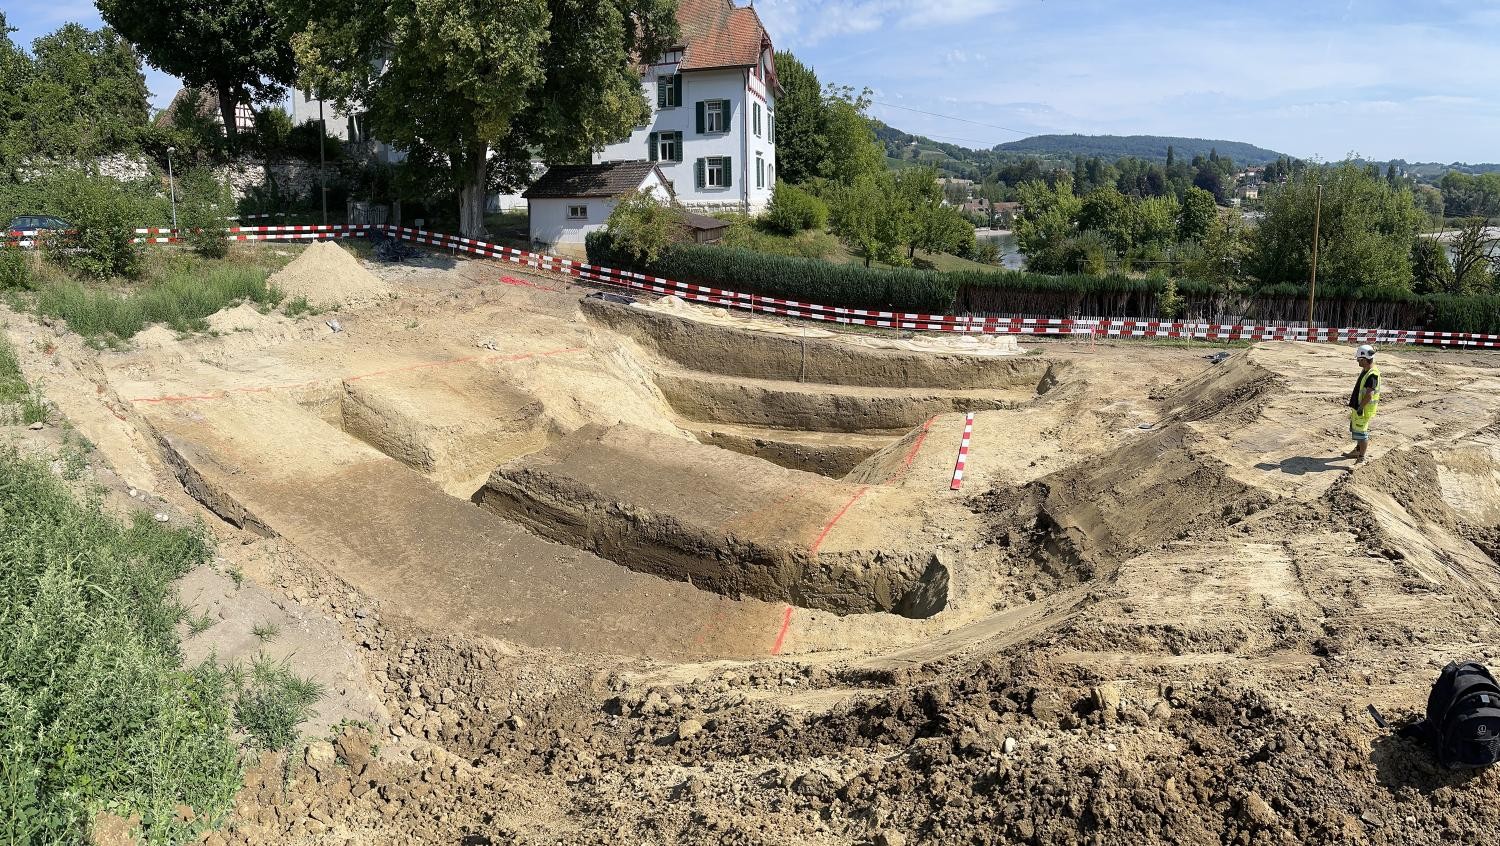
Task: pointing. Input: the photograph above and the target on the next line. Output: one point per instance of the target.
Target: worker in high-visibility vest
(1364, 400)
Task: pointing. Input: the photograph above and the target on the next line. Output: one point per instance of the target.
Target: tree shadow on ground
(1299, 465)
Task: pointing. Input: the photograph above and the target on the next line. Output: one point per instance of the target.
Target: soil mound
(242, 318)
(329, 277)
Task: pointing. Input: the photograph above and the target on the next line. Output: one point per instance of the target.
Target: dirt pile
(329, 277)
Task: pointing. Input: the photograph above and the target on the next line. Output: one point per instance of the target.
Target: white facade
(345, 127)
(562, 223)
(745, 141)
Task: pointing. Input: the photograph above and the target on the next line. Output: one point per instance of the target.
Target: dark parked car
(28, 222)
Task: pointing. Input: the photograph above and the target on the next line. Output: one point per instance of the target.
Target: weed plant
(99, 712)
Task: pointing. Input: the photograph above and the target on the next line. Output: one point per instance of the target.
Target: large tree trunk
(475, 190)
(227, 104)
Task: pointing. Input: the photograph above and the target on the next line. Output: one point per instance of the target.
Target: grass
(201, 623)
(13, 387)
(99, 711)
(181, 299)
(272, 702)
(265, 632)
(298, 306)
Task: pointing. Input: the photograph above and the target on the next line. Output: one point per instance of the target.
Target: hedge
(1011, 292)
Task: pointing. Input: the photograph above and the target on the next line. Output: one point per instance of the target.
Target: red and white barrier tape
(1095, 328)
(963, 453)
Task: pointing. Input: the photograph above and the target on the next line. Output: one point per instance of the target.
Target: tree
(1154, 224)
(1048, 218)
(473, 88)
(1198, 213)
(1108, 212)
(1476, 252)
(643, 226)
(203, 204)
(1365, 236)
(81, 95)
(1169, 303)
(1431, 272)
(800, 143)
(864, 214)
(851, 151)
(240, 49)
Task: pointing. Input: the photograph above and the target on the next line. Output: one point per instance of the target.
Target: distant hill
(1148, 147)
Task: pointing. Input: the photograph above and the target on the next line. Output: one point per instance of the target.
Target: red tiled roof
(718, 34)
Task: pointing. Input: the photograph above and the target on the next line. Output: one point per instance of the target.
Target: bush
(103, 212)
(98, 710)
(642, 226)
(203, 204)
(15, 269)
(793, 210)
(272, 702)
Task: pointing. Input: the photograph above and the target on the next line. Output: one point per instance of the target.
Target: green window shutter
(698, 174)
(701, 104)
(727, 113)
(676, 89)
(651, 146)
(678, 150)
(728, 167)
(661, 91)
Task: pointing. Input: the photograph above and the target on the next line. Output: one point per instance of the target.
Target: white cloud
(802, 23)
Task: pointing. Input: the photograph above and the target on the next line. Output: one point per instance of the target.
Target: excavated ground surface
(1165, 604)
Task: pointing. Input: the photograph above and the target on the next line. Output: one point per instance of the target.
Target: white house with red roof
(713, 115)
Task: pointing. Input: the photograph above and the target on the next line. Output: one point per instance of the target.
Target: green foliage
(15, 268)
(743, 233)
(1431, 272)
(793, 210)
(272, 702)
(1168, 303)
(1197, 215)
(800, 143)
(99, 713)
(851, 151)
(1470, 195)
(298, 306)
(1476, 257)
(1366, 232)
(100, 241)
(181, 299)
(34, 406)
(642, 225)
(1151, 147)
(80, 95)
(266, 632)
(12, 385)
(203, 206)
(549, 78)
(239, 49)
(866, 213)
(1107, 211)
(1047, 222)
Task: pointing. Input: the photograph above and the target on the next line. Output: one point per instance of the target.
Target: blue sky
(1318, 78)
(1415, 79)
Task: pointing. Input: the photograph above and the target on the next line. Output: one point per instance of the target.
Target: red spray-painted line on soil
(911, 455)
(786, 622)
(522, 283)
(425, 365)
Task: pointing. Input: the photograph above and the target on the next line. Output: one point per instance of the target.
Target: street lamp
(172, 185)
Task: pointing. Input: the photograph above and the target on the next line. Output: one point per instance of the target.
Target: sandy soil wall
(814, 408)
(734, 352)
(717, 519)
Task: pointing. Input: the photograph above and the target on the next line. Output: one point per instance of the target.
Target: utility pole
(1312, 287)
(322, 159)
(172, 185)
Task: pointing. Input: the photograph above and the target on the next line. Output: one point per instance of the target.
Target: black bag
(1463, 716)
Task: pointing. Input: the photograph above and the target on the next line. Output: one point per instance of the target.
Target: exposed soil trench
(614, 575)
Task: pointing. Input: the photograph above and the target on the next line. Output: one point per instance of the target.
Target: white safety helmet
(1365, 353)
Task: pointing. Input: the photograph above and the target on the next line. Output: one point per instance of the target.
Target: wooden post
(1312, 287)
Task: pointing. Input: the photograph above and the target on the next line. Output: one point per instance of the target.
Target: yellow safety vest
(1361, 422)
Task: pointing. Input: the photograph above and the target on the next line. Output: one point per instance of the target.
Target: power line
(949, 117)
